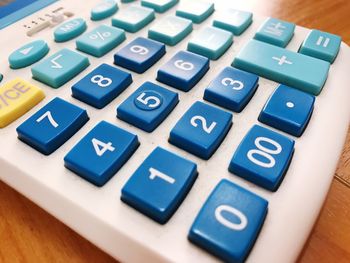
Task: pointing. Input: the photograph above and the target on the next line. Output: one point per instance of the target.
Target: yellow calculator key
(16, 98)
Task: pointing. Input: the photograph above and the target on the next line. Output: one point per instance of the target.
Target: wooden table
(29, 234)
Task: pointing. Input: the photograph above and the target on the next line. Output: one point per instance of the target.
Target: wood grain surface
(29, 234)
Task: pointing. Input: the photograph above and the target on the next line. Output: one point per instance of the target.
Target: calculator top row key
(197, 11)
(159, 6)
(70, 30)
(104, 9)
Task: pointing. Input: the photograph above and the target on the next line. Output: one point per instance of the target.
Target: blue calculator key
(235, 21)
(59, 68)
(229, 222)
(321, 45)
(183, 70)
(101, 153)
(286, 67)
(140, 54)
(201, 129)
(104, 9)
(100, 40)
(148, 106)
(288, 110)
(263, 157)
(197, 11)
(133, 18)
(232, 89)
(70, 30)
(28, 54)
(160, 184)
(275, 32)
(170, 30)
(159, 6)
(52, 125)
(101, 86)
(210, 42)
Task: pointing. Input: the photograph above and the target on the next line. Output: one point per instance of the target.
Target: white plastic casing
(100, 216)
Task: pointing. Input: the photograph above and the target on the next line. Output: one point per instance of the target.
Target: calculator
(172, 131)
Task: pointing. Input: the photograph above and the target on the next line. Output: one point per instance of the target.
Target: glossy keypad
(101, 153)
(288, 110)
(133, 18)
(229, 222)
(59, 68)
(148, 106)
(140, 54)
(160, 184)
(232, 89)
(263, 157)
(100, 40)
(235, 21)
(201, 129)
(52, 125)
(101, 86)
(183, 70)
(210, 42)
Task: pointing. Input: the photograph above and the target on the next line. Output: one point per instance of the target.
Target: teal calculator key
(286, 67)
(104, 9)
(235, 21)
(100, 40)
(170, 30)
(127, 1)
(59, 68)
(70, 30)
(210, 42)
(101, 153)
(321, 45)
(275, 32)
(160, 6)
(28, 54)
(1, 77)
(197, 11)
(133, 18)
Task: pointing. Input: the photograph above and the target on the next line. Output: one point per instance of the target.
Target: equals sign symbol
(325, 42)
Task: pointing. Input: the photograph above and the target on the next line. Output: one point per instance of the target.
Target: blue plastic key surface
(100, 40)
(275, 32)
(52, 125)
(60, 67)
(183, 70)
(321, 45)
(133, 18)
(232, 89)
(101, 153)
(28, 54)
(159, 6)
(160, 184)
(101, 86)
(283, 66)
(197, 11)
(210, 42)
(148, 106)
(70, 30)
(288, 110)
(263, 157)
(229, 222)
(140, 54)
(170, 30)
(104, 9)
(235, 21)
(201, 129)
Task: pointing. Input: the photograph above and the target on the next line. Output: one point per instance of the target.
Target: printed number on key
(203, 121)
(264, 152)
(101, 81)
(101, 147)
(48, 115)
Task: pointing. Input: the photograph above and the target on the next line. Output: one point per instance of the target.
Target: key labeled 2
(201, 129)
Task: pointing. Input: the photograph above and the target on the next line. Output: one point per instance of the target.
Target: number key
(263, 157)
(101, 153)
(148, 106)
(101, 86)
(183, 70)
(140, 54)
(52, 125)
(201, 129)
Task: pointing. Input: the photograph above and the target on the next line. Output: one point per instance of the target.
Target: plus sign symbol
(282, 60)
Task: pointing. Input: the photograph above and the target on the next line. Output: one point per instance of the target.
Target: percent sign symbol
(99, 35)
